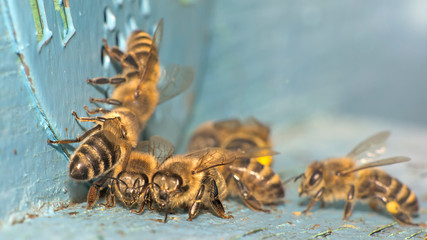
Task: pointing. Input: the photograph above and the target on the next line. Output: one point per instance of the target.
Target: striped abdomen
(202, 140)
(140, 43)
(265, 185)
(95, 156)
(375, 182)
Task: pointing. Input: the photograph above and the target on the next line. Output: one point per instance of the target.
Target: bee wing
(158, 35)
(209, 158)
(231, 124)
(256, 152)
(214, 157)
(157, 38)
(159, 147)
(175, 79)
(370, 148)
(143, 146)
(382, 162)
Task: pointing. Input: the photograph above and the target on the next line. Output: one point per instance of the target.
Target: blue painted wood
(43, 81)
(324, 75)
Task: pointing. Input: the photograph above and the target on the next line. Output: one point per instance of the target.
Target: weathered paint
(40, 86)
(323, 75)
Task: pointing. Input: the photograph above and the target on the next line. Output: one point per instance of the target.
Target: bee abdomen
(270, 186)
(265, 184)
(93, 158)
(397, 191)
(137, 37)
(141, 44)
(403, 195)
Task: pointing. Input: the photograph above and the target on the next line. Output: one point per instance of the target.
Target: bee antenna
(296, 178)
(118, 179)
(152, 184)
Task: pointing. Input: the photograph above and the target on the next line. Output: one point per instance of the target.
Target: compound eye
(315, 178)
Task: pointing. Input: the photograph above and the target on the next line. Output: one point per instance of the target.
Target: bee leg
(195, 207)
(348, 208)
(322, 203)
(141, 204)
(166, 216)
(96, 111)
(247, 197)
(93, 194)
(110, 198)
(215, 202)
(130, 60)
(313, 200)
(140, 210)
(78, 139)
(150, 203)
(105, 80)
(106, 100)
(88, 119)
(114, 52)
(373, 204)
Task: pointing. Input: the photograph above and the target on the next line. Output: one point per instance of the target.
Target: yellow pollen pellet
(392, 207)
(266, 160)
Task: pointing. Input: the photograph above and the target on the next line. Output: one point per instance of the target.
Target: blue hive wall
(48, 51)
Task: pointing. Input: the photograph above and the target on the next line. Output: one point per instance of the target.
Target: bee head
(131, 187)
(166, 185)
(312, 179)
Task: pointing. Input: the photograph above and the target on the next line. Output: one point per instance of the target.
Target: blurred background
(323, 75)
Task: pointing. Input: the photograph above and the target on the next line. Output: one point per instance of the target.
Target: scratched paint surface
(323, 75)
(43, 78)
(282, 223)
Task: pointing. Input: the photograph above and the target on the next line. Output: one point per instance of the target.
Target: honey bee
(110, 141)
(233, 134)
(250, 178)
(340, 178)
(129, 181)
(192, 181)
(136, 87)
(104, 146)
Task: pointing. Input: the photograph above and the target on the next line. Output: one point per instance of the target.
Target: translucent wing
(175, 79)
(162, 149)
(382, 162)
(158, 35)
(230, 125)
(370, 148)
(159, 147)
(214, 157)
(143, 146)
(209, 158)
(255, 152)
(157, 38)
